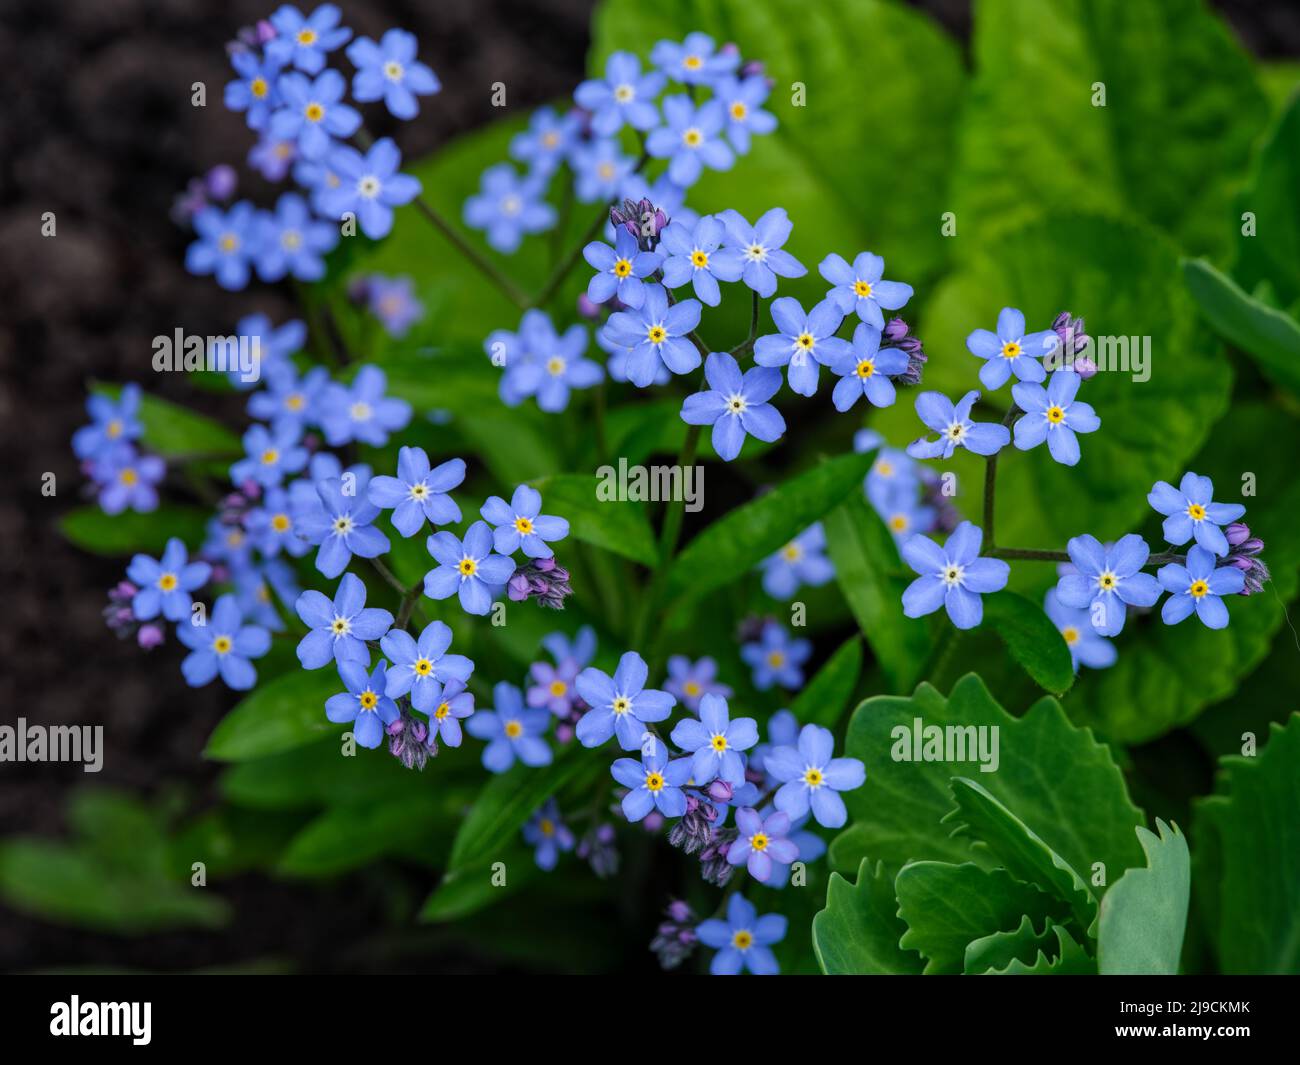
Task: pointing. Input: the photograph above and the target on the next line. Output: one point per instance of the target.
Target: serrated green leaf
(869, 573)
(1144, 914)
(1031, 638)
(1069, 959)
(826, 698)
(998, 950)
(857, 933)
(948, 907)
(739, 540)
(282, 714)
(621, 526)
(122, 534)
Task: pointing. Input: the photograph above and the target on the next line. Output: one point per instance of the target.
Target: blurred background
(98, 127)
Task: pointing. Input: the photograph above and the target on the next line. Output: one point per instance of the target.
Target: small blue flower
(390, 72)
(800, 562)
(539, 362)
(361, 411)
(736, 406)
(270, 526)
(228, 544)
(859, 287)
(621, 704)
(654, 783)
(548, 835)
(393, 301)
(744, 940)
(1010, 350)
(305, 41)
(1087, 647)
(904, 514)
(623, 95)
(599, 168)
(952, 576)
(1192, 512)
(762, 844)
(257, 587)
(690, 682)
(507, 207)
(254, 90)
(288, 402)
(955, 428)
(164, 585)
(369, 186)
(691, 258)
(512, 731)
(694, 61)
(579, 651)
(715, 742)
(547, 142)
(866, 370)
(467, 568)
(339, 630)
(312, 113)
(776, 658)
(420, 668)
(452, 708)
(1106, 579)
(520, 524)
(418, 494)
(225, 244)
(127, 481)
(343, 526)
(656, 335)
(364, 704)
(619, 269)
(272, 158)
(758, 250)
(1199, 587)
(691, 140)
(275, 343)
(316, 178)
(805, 342)
(743, 99)
(813, 778)
(292, 242)
(782, 731)
(269, 456)
(1052, 414)
(222, 646)
(114, 424)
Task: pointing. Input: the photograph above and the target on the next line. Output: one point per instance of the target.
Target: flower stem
(508, 287)
(387, 574)
(408, 604)
(747, 344)
(990, 484)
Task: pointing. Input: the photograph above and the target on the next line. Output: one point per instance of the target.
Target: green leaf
(616, 525)
(996, 951)
(834, 196)
(1034, 140)
(868, 572)
(1019, 849)
(1031, 638)
(282, 714)
(1247, 838)
(509, 799)
(177, 432)
(1047, 770)
(351, 836)
(738, 541)
(1069, 959)
(129, 532)
(948, 907)
(1272, 253)
(857, 933)
(473, 888)
(827, 695)
(1144, 914)
(1271, 336)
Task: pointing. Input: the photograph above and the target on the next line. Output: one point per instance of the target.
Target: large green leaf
(1271, 253)
(948, 907)
(1047, 770)
(1031, 639)
(1247, 876)
(870, 575)
(284, 713)
(998, 950)
(739, 540)
(1272, 337)
(827, 695)
(858, 932)
(350, 836)
(472, 888)
(616, 525)
(1068, 958)
(1032, 140)
(888, 196)
(1144, 914)
(177, 432)
(122, 534)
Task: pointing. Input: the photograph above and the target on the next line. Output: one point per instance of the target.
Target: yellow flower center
(775, 659)
(606, 171)
(423, 667)
(692, 62)
(360, 412)
(270, 457)
(555, 365)
(314, 112)
(113, 429)
(514, 729)
(342, 525)
(742, 939)
(739, 111)
(622, 268)
(1198, 589)
(699, 259)
(758, 841)
(692, 688)
(368, 700)
(866, 368)
(1106, 582)
(654, 782)
(898, 522)
(258, 87)
(228, 242)
(1071, 634)
(558, 688)
(295, 401)
(443, 710)
(813, 777)
(222, 645)
(884, 468)
(622, 705)
(524, 525)
(167, 582)
(805, 341)
(1196, 512)
(340, 627)
(1055, 415)
(657, 334)
(128, 476)
(468, 567)
(719, 742)
(419, 491)
(624, 93)
(1010, 350)
(791, 552)
(692, 138)
(546, 826)
(234, 538)
(862, 289)
(550, 139)
(306, 36)
(281, 523)
(393, 70)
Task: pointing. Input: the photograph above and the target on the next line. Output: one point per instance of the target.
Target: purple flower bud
(1085, 368)
(895, 329)
(653, 822)
(1237, 533)
(150, 636)
(518, 587)
(753, 68)
(221, 182)
(588, 308)
(720, 791)
(675, 938)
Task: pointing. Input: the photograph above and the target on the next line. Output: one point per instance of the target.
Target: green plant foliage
(1144, 914)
